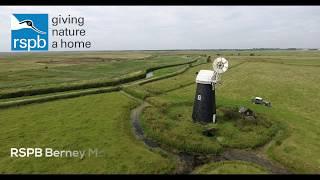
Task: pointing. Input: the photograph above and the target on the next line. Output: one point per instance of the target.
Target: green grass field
(74, 124)
(293, 91)
(230, 167)
(291, 84)
(288, 132)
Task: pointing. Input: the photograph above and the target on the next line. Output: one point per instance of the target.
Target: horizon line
(191, 49)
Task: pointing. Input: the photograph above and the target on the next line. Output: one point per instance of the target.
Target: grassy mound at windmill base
(170, 122)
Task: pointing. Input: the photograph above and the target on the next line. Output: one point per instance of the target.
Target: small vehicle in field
(259, 100)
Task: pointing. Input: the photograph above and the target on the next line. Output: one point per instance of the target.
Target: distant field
(38, 71)
(24, 61)
(288, 132)
(251, 53)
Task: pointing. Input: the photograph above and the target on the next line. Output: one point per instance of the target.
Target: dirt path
(188, 162)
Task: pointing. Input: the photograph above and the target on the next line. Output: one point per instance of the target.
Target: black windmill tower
(204, 108)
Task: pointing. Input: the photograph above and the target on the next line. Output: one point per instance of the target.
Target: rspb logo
(29, 32)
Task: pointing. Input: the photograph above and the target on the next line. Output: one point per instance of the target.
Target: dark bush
(246, 125)
(210, 132)
(278, 142)
(231, 113)
(209, 59)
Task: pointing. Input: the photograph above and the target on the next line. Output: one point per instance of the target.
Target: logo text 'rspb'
(29, 32)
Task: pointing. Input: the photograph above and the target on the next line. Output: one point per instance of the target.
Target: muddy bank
(188, 162)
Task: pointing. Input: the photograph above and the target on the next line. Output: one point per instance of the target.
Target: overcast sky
(185, 27)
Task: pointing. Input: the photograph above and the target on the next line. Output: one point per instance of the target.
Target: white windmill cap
(205, 77)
